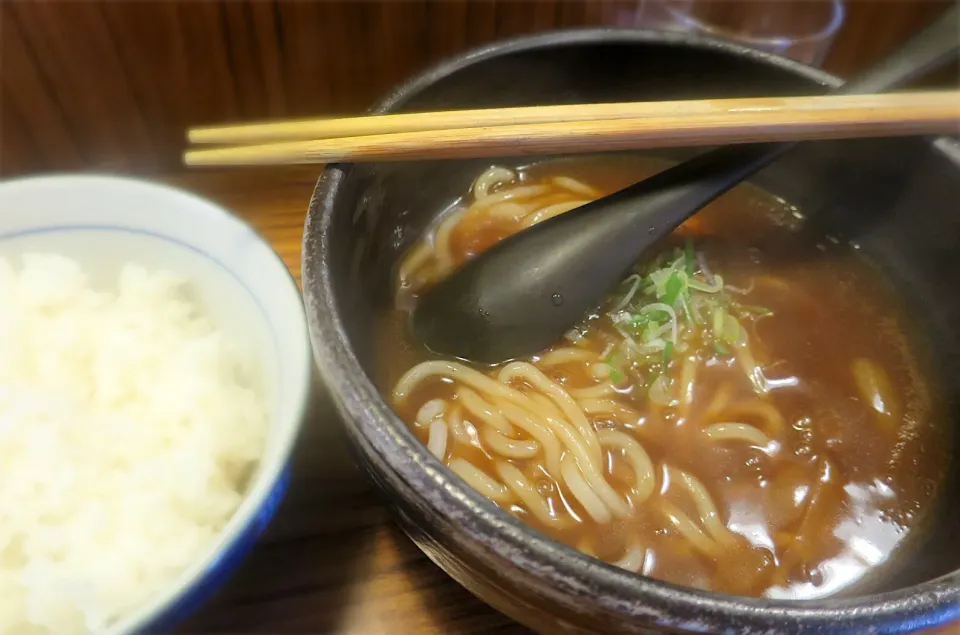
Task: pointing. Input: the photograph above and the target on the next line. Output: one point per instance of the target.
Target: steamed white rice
(128, 428)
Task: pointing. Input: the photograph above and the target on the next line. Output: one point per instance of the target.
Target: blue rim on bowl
(271, 478)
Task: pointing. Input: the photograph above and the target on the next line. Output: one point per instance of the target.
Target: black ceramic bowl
(897, 198)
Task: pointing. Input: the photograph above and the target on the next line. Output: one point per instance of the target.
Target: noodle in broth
(719, 422)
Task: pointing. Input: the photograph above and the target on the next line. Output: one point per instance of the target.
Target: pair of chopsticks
(575, 128)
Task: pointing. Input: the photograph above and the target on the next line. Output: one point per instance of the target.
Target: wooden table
(332, 562)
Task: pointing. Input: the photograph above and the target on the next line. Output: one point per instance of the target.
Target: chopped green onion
(686, 299)
(650, 331)
(718, 323)
(635, 282)
(688, 257)
(731, 329)
(671, 314)
(674, 287)
(697, 285)
(663, 299)
(614, 358)
(660, 278)
(651, 309)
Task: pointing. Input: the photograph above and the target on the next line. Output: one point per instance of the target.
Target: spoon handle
(715, 172)
(928, 49)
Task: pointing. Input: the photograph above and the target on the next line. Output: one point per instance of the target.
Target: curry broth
(845, 483)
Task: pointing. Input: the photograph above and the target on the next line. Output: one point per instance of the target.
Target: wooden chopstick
(306, 129)
(519, 131)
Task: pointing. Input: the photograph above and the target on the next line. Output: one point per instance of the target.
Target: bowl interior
(896, 199)
(241, 284)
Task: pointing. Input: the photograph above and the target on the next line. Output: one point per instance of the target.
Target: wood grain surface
(113, 84)
(332, 562)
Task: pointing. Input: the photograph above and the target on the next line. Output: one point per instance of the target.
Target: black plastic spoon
(524, 293)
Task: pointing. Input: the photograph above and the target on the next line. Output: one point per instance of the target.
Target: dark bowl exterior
(362, 217)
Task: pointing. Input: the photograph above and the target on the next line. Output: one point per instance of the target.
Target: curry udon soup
(742, 414)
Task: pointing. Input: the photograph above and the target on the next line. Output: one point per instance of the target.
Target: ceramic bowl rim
(570, 572)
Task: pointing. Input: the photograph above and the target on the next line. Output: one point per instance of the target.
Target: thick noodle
(561, 428)
(433, 409)
(437, 441)
(419, 257)
(565, 356)
(577, 187)
(530, 374)
(645, 478)
(612, 407)
(454, 370)
(510, 448)
(444, 253)
(490, 203)
(547, 406)
(709, 516)
(479, 408)
(462, 431)
(633, 559)
(593, 392)
(527, 493)
(762, 410)
(688, 529)
(583, 492)
(480, 481)
(739, 432)
(490, 179)
(688, 377)
(499, 196)
(547, 438)
(550, 211)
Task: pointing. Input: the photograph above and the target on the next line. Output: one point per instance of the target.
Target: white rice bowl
(154, 367)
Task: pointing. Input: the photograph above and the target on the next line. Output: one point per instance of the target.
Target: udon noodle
(674, 433)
